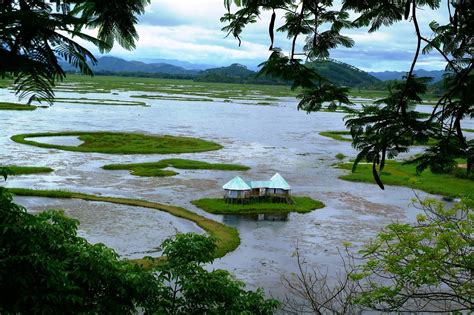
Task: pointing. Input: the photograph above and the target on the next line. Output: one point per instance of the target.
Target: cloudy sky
(190, 30)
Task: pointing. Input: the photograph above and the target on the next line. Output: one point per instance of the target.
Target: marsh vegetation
(122, 143)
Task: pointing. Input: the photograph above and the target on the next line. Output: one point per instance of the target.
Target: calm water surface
(269, 139)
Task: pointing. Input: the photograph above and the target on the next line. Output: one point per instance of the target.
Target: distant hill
(344, 74)
(179, 63)
(437, 75)
(337, 72)
(235, 73)
(111, 65)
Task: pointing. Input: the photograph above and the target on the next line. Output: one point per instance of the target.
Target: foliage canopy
(392, 125)
(46, 268)
(36, 34)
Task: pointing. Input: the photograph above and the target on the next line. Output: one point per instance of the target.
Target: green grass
(97, 101)
(155, 169)
(343, 136)
(219, 206)
(173, 98)
(468, 130)
(171, 87)
(27, 170)
(337, 135)
(227, 238)
(15, 106)
(399, 174)
(122, 143)
(340, 156)
(383, 93)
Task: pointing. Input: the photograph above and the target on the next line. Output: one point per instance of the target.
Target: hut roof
(278, 182)
(237, 183)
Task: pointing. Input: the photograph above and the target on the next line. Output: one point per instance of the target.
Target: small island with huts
(258, 197)
(274, 190)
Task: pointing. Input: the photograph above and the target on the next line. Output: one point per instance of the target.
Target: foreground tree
(36, 34)
(46, 268)
(191, 289)
(390, 126)
(427, 266)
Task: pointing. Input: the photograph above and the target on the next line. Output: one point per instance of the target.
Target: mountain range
(437, 75)
(339, 73)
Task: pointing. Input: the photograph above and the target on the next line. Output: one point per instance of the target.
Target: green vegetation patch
(155, 169)
(15, 106)
(174, 98)
(468, 130)
(26, 170)
(227, 238)
(342, 135)
(219, 206)
(337, 135)
(97, 101)
(399, 174)
(122, 143)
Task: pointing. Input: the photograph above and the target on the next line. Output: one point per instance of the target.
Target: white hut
(237, 188)
(278, 186)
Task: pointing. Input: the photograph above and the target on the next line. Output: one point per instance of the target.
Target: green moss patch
(337, 135)
(399, 174)
(26, 170)
(122, 143)
(227, 238)
(345, 135)
(219, 206)
(15, 106)
(97, 101)
(155, 169)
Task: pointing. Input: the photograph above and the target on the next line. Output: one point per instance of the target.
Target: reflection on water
(233, 219)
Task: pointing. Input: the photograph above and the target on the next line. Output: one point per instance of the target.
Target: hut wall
(278, 192)
(237, 193)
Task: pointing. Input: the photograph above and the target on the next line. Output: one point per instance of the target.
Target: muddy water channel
(269, 139)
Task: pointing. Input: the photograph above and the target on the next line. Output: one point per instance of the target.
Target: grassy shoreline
(227, 238)
(122, 143)
(15, 106)
(155, 169)
(219, 206)
(27, 170)
(337, 135)
(399, 174)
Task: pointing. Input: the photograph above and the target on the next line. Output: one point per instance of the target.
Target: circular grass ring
(122, 143)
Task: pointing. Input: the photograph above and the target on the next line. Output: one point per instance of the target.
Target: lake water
(269, 139)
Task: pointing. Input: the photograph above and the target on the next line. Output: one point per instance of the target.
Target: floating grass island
(219, 206)
(156, 169)
(399, 174)
(15, 106)
(98, 101)
(122, 143)
(227, 238)
(27, 170)
(343, 135)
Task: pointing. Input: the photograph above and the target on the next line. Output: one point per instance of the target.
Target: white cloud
(191, 31)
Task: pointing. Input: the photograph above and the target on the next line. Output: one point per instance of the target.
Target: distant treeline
(337, 72)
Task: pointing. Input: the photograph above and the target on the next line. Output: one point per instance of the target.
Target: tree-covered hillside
(235, 73)
(337, 72)
(343, 74)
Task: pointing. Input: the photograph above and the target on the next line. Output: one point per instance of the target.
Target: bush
(340, 156)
